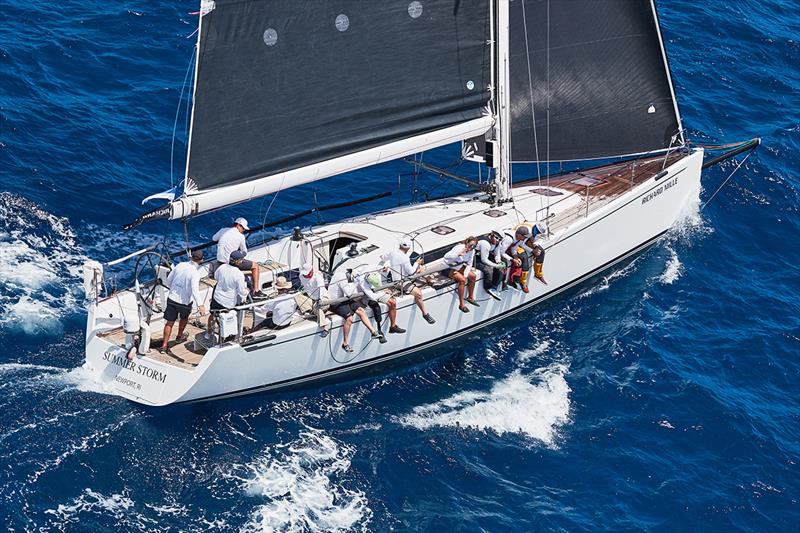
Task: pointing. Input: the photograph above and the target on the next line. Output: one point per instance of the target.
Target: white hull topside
(582, 243)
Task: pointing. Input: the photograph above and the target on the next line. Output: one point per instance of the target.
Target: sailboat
(288, 92)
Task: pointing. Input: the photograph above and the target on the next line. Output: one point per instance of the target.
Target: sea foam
(303, 487)
(536, 405)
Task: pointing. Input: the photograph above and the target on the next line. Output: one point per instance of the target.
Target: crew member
(342, 285)
(231, 288)
(522, 251)
(459, 259)
(491, 268)
(184, 289)
(281, 309)
(400, 267)
(368, 280)
(314, 286)
(230, 239)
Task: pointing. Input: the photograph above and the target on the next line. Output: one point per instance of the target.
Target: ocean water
(662, 395)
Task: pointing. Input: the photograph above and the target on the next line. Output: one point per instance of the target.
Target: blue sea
(661, 395)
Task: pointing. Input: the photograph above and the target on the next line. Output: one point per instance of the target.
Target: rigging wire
(548, 107)
(177, 115)
(530, 95)
(726, 180)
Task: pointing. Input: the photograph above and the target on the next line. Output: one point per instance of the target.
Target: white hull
(580, 246)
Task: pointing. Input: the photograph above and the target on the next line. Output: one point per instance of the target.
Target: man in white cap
(230, 239)
(400, 267)
(231, 289)
(184, 289)
(314, 287)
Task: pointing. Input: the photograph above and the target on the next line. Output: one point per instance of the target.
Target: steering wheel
(145, 272)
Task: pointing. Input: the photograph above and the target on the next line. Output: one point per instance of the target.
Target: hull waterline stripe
(393, 355)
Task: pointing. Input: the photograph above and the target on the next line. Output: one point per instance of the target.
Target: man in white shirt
(314, 286)
(184, 288)
(281, 309)
(343, 285)
(491, 268)
(459, 259)
(230, 239)
(400, 267)
(231, 288)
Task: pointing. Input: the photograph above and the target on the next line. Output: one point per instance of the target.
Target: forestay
(283, 84)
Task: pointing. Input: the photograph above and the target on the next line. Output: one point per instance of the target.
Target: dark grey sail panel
(609, 89)
(286, 83)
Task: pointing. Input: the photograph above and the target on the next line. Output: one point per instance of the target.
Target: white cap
(306, 269)
(405, 244)
(242, 222)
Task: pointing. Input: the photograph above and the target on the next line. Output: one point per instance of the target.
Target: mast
(502, 119)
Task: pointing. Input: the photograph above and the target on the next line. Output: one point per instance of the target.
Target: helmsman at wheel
(184, 289)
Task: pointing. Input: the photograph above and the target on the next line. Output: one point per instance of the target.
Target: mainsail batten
(287, 83)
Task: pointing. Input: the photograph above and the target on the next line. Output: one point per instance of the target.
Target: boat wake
(39, 267)
(304, 487)
(27, 377)
(536, 405)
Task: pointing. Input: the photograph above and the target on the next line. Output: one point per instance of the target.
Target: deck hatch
(546, 192)
(494, 213)
(587, 181)
(443, 230)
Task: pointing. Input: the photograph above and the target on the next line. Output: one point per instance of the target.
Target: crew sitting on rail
(368, 279)
(314, 286)
(342, 285)
(231, 288)
(490, 264)
(521, 251)
(184, 289)
(506, 253)
(281, 309)
(400, 267)
(538, 262)
(230, 239)
(534, 251)
(460, 259)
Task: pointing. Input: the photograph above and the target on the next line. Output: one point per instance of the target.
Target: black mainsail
(589, 80)
(282, 84)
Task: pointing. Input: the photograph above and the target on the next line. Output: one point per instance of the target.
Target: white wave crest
(301, 482)
(673, 269)
(535, 405)
(540, 349)
(118, 506)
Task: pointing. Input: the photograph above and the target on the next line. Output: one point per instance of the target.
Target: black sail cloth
(285, 83)
(606, 77)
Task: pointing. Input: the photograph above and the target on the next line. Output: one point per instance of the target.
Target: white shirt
(502, 249)
(231, 288)
(184, 283)
(314, 286)
(455, 260)
(339, 287)
(283, 309)
(399, 264)
(485, 251)
(228, 240)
